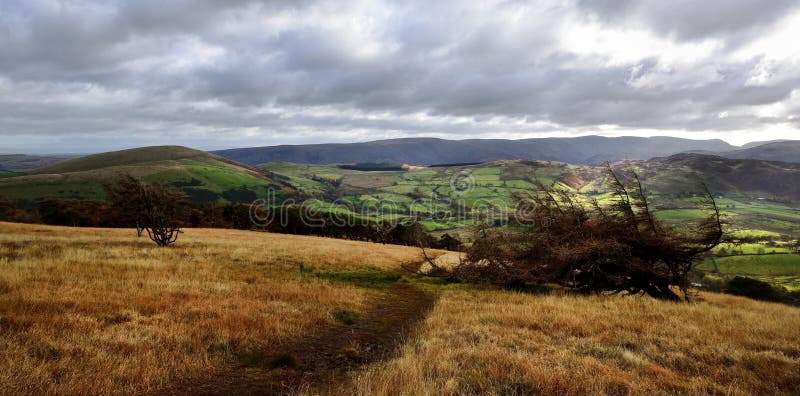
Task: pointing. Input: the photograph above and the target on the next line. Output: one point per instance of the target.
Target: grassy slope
(91, 311)
(204, 176)
(493, 342)
(100, 311)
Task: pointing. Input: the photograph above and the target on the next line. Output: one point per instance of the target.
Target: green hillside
(205, 177)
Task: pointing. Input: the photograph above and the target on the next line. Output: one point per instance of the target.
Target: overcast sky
(86, 76)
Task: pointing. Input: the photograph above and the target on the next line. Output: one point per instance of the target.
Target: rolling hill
(203, 176)
(136, 156)
(786, 151)
(756, 178)
(429, 151)
(756, 144)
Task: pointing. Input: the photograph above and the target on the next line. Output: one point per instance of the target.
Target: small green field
(782, 269)
(752, 249)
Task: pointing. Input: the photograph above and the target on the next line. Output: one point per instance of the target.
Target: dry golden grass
(98, 311)
(493, 342)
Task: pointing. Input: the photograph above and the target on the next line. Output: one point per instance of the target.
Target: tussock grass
(99, 311)
(494, 342)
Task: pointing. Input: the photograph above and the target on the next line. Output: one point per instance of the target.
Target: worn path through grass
(318, 361)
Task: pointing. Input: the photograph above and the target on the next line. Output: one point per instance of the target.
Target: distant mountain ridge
(584, 150)
(784, 151)
(756, 144)
(23, 162)
(721, 174)
(432, 151)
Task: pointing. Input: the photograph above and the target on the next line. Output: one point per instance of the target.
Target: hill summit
(204, 177)
(124, 157)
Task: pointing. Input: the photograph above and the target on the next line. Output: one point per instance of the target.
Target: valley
(761, 207)
(759, 199)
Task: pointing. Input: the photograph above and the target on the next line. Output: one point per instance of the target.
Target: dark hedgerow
(757, 290)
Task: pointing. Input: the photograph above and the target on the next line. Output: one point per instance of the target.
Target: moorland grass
(504, 343)
(99, 311)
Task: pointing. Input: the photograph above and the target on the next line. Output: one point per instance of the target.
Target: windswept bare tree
(588, 247)
(124, 196)
(158, 209)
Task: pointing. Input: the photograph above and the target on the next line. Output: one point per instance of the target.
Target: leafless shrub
(589, 247)
(155, 208)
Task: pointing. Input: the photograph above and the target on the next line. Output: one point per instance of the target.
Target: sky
(79, 76)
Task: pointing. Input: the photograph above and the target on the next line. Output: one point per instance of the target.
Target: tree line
(161, 212)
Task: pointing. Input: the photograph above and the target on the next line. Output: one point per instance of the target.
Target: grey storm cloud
(80, 75)
(691, 20)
